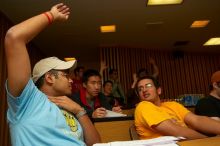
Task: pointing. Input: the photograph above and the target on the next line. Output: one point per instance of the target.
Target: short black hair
(112, 70)
(108, 81)
(88, 73)
(155, 81)
(142, 70)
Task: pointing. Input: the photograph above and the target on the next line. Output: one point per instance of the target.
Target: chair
(133, 133)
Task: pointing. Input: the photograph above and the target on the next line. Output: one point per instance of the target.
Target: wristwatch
(81, 113)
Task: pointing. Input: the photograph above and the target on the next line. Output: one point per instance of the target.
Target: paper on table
(114, 114)
(160, 141)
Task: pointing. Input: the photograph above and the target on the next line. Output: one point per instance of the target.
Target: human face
(93, 86)
(62, 83)
(81, 72)
(147, 91)
(216, 88)
(114, 75)
(108, 88)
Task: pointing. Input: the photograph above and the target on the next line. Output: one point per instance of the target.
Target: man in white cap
(32, 117)
(210, 105)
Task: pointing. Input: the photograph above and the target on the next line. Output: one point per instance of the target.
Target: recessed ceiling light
(200, 23)
(163, 2)
(69, 58)
(213, 41)
(108, 28)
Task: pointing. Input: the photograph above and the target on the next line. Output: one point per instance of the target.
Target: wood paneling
(188, 73)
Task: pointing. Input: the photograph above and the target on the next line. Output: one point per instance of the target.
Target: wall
(179, 73)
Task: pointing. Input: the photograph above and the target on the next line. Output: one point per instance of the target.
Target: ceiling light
(69, 58)
(163, 2)
(200, 23)
(108, 28)
(213, 41)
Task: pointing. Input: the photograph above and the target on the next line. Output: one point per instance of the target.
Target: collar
(84, 101)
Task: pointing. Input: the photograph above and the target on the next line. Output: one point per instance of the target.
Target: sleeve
(150, 114)
(25, 105)
(180, 109)
(206, 108)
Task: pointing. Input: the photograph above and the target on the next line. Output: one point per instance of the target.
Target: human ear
(159, 91)
(84, 85)
(49, 78)
(215, 85)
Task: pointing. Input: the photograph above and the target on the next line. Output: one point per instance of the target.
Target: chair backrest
(133, 133)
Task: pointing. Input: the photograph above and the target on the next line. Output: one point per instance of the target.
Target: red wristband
(50, 19)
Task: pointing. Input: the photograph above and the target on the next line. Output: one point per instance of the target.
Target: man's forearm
(168, 127)
(207, 125)
(91, 135)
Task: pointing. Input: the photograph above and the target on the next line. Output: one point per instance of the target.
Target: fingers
(60, 11)
(117, 109)
(99, 113)
(64, 9)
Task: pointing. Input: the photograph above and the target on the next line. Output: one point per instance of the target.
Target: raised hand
(151, 61)
(60, 12)
(103, 65)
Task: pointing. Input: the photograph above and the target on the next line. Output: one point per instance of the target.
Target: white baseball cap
(47, 64)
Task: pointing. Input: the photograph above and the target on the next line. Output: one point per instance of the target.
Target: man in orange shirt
(154, 118)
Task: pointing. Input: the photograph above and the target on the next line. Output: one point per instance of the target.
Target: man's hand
(99, 113)
(66, 103)
(60, 12)
(117, 109)
(103, 66)
(151, 61)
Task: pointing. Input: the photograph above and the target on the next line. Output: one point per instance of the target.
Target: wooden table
(114, 129)
(211, 141)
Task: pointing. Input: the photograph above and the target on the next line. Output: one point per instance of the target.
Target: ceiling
(137, 25)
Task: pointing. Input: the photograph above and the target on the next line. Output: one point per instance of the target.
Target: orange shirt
(147, 115)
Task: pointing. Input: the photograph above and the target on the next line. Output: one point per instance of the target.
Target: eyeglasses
(146, 86)
(66, 75)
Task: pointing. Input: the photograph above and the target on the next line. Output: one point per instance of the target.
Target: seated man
(77, 80)
(154, 118)
(210, 106)
(117, 90)
(132, 97)
(107, 91)
(33, 118)
(91, 98)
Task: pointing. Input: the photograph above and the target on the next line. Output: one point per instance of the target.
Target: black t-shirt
(208, 106)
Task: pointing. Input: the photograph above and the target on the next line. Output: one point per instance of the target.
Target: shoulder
(27, 91)
(173, 104)
(206, 102)
(208, 99)
(145, 105)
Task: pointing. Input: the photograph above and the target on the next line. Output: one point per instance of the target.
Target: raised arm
(18, 62)
(155, 68)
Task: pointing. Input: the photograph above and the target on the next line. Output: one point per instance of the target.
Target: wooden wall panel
(188, 73)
